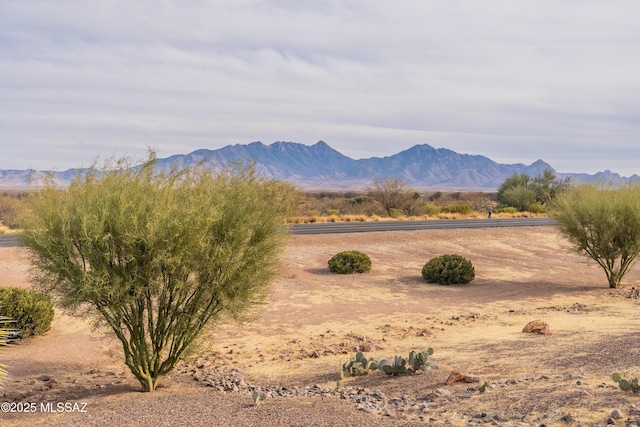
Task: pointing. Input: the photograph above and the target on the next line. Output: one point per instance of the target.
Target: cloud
(514, 81)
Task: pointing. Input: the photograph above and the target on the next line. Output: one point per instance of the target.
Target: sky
(512, 80)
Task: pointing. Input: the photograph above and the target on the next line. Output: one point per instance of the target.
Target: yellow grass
(4, 229)
(309, 219)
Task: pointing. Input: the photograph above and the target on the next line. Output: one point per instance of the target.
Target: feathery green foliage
(158, 256)
(602, 222)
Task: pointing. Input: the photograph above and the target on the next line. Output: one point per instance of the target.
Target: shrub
(448, 269)
(536, 207)
(9, 207)
(457, 208)
(394, 213)
(359, 200)
(506, 210)
(333, 212)
(348, 262)
(32, 311)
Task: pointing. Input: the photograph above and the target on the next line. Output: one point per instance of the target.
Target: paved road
(355, 227)
(8, 240)
(359, 227)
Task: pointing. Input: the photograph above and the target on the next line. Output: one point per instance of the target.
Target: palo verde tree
(158, 255)
(525, 193)
(602, 222)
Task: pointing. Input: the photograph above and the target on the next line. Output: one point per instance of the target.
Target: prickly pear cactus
(417, 361)
(359, 365)
(626, 384)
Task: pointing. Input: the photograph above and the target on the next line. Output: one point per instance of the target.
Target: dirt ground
(315, 320)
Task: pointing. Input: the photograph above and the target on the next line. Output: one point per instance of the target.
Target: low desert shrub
(394, 213)
(448, 269)
(348, 262)
(506, 210)
(10, 205)
(457, 208)
(32, 311)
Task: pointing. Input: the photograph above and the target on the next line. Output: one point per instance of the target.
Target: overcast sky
(512, 80)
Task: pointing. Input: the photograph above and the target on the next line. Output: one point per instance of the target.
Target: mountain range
(319, 166)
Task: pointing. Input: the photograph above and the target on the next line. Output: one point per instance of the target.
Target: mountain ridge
(319, 166)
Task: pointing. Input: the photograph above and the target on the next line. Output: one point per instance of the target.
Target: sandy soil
(315, 320)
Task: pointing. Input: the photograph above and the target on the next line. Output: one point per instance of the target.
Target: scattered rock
(367, 347)
(537, 326)
(454, 377)
(44, 378)
(443, 392)
(616, 414)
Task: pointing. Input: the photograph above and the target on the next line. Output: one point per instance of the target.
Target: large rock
(537, 326)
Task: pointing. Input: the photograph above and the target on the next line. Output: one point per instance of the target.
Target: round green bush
(32, 311)
(448, 269)
(348, 262)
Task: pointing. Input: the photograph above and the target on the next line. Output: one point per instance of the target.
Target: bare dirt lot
(315, 320)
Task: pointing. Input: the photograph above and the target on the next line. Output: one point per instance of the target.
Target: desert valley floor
(315, 320)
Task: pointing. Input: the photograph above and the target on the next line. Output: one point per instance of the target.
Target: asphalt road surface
(360, 227)
(356, 227)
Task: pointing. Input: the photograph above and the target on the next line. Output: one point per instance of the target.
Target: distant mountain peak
(322, 167)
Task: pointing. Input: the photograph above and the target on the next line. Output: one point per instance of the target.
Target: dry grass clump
(312, 219)
(520, 215)
(453, 215)
(4, 229)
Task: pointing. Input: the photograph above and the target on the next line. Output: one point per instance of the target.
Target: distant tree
(391, 193)
(524, 193)
(521, 198)
(604, 223)
(158, 256)
(548, 185)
